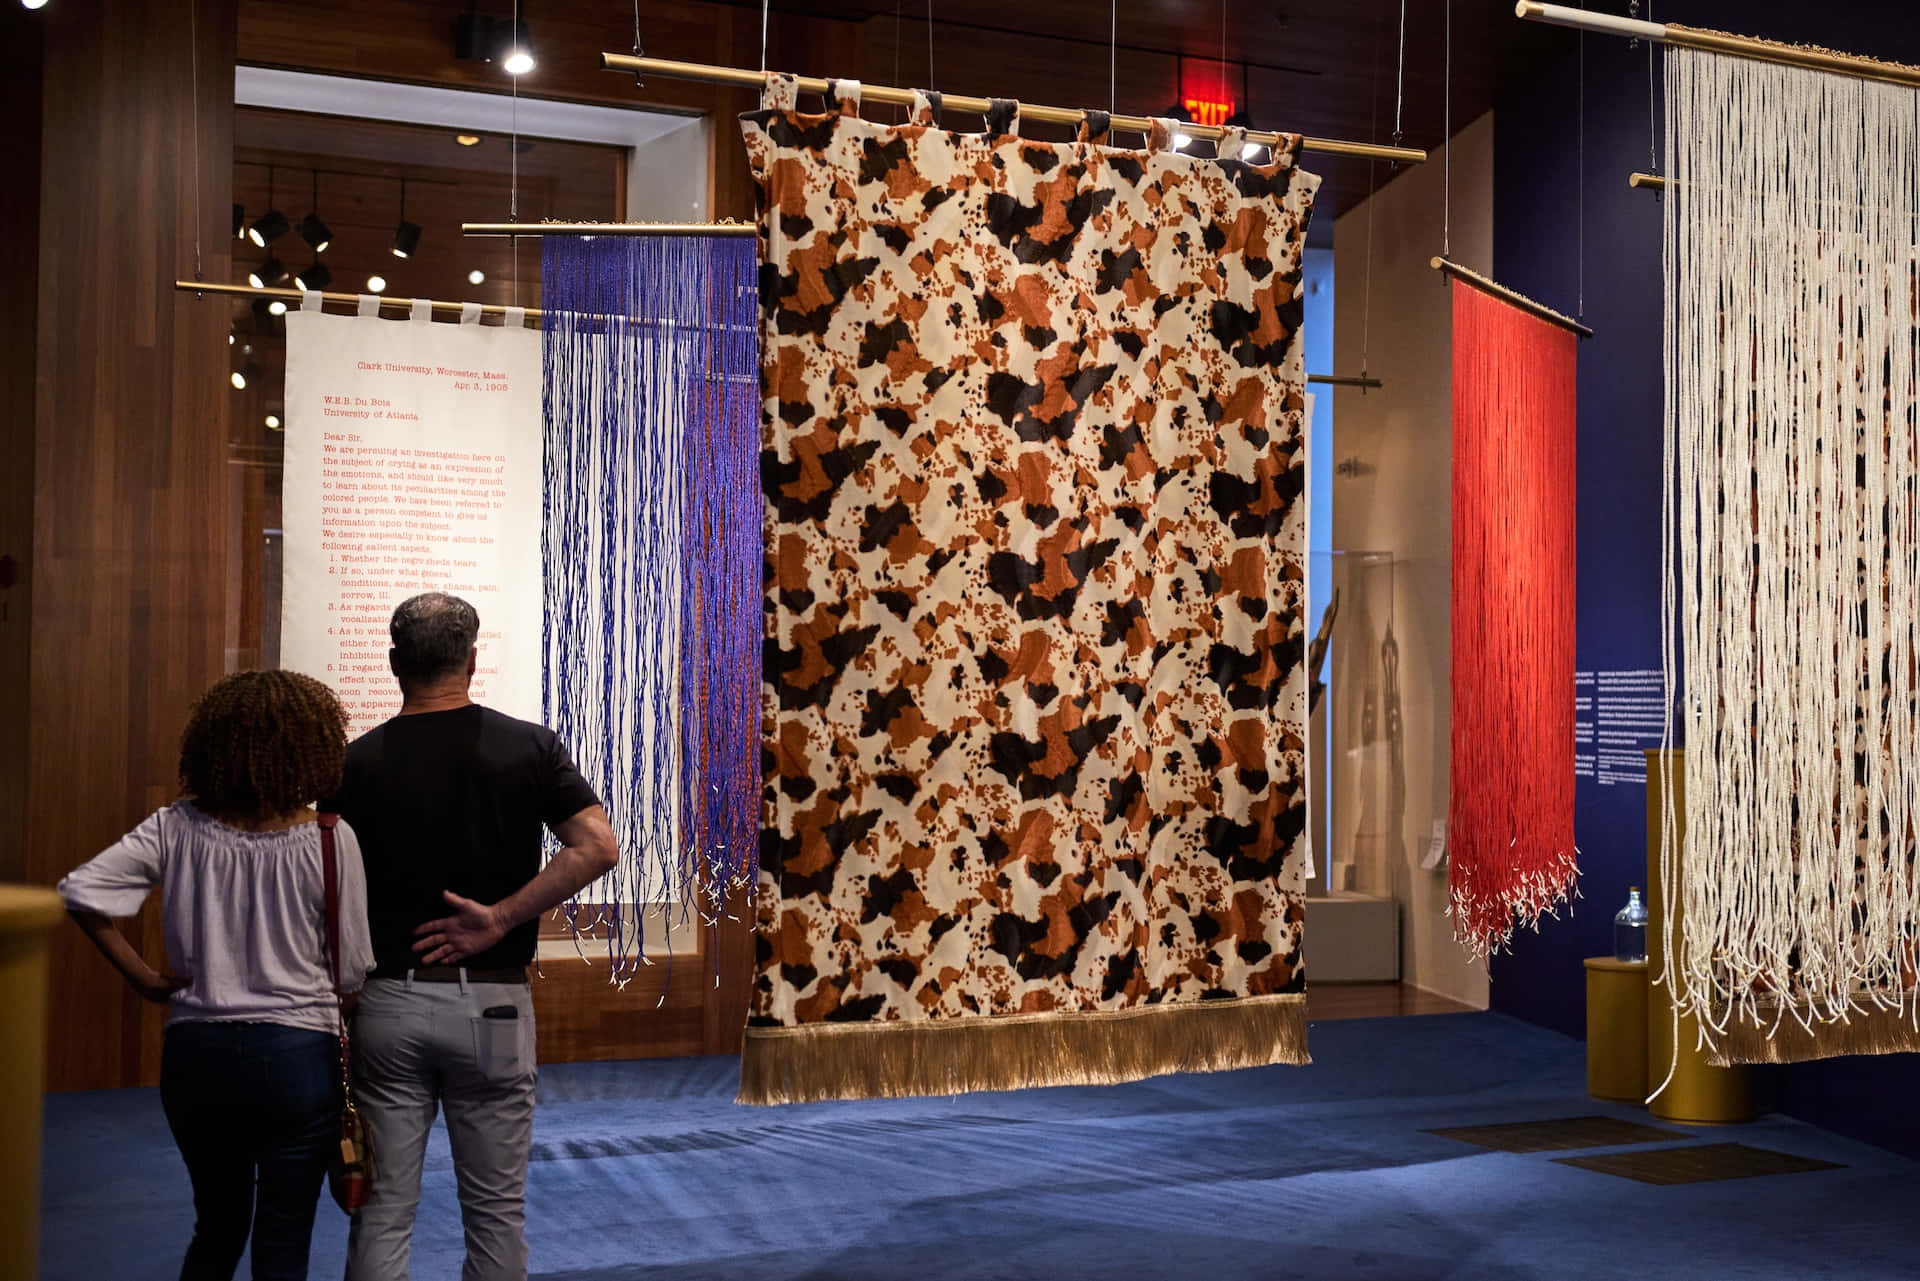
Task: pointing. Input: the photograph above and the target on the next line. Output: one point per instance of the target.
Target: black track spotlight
(406, 239)
(406, 236)
(316, 233)
(480, 38)
(267, 274)
(239, 221)
(272, 224)
(314, 276)
(268, 227)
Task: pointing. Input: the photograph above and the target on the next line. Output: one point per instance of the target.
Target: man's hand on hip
(451, 940)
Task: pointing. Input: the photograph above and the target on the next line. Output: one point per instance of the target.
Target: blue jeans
(255, 1110)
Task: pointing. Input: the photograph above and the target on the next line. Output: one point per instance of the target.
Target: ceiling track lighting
(315, 276)
(479, 37)
(406, 236)
(272, 224)
(267, 274)
(316, 233)
(239, 221)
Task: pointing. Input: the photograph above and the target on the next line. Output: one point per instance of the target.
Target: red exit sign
(1207, 112)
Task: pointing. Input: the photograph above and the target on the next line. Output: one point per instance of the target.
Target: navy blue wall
(1539, 178)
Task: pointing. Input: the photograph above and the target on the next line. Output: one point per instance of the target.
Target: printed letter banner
(1034, 687)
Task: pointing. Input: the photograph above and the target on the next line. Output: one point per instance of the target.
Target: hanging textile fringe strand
(652, 549)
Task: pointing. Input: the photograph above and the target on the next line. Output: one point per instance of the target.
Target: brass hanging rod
(1361, 381)
(537, 229)
(739, 77)
(1648, 181)
(1519, 300)
(345, 300)
(1683, 37)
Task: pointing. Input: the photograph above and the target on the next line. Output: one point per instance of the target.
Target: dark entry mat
(1710, 1164)
(1557, 1136)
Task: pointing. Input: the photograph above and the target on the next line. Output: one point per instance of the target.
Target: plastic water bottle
(1630, 929)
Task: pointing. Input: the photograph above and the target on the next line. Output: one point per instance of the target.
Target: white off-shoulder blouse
(244, 914)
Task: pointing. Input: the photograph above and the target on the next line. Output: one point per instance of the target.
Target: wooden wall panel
(20, 286)
(129, 616)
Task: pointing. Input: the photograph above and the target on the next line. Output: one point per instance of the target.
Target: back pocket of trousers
(499, 1047)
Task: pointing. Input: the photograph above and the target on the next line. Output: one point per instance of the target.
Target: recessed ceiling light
(518, 62)
(376, 284)
(273, 422)
(476, 277)
(238, 379)
(467, 139)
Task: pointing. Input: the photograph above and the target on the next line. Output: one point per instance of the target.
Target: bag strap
(330, 876)
(330, 873)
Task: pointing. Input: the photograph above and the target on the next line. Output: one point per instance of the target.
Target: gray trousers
(421, 1046)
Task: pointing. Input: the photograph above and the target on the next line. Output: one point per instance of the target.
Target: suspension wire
(1113, 58)
(763, 35)
(636, 28)
(1400, 77)
(1653, 111)
(1373, 135)
(1446, 152)
(905, 112)
(1580, 189)
(193, 35)
(513, 186)
(930, 83)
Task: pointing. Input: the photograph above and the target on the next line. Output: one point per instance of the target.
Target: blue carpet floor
(647, 1171)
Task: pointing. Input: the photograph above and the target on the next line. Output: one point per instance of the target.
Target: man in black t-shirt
(449, 800)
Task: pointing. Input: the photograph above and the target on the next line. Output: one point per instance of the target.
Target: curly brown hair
(263, 745)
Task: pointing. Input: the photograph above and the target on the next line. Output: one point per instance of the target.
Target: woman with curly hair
(250, 1068)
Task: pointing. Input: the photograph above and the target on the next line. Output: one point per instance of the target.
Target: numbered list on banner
(413, 464)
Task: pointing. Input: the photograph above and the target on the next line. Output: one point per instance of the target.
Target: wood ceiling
(1320, 67)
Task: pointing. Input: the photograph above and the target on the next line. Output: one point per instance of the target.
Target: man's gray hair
(432, 635)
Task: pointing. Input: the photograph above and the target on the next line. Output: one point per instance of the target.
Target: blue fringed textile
(653, 560)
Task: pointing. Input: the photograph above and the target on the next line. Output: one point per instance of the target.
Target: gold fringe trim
(1869, 1031)
(1015, 1051)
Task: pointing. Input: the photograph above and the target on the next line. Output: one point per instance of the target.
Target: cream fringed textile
(1793, 508)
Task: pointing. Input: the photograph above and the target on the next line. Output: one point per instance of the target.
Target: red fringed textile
(1510, 817)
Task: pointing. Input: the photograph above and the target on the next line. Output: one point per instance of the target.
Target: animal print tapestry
(1035, 688)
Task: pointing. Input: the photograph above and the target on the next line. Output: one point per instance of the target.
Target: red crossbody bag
(350, 1171)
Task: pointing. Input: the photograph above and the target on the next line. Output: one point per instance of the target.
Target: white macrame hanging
(1793, 506)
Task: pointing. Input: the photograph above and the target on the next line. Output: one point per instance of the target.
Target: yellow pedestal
(1617, 1029)
(25, 917)
(1700, 1093)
